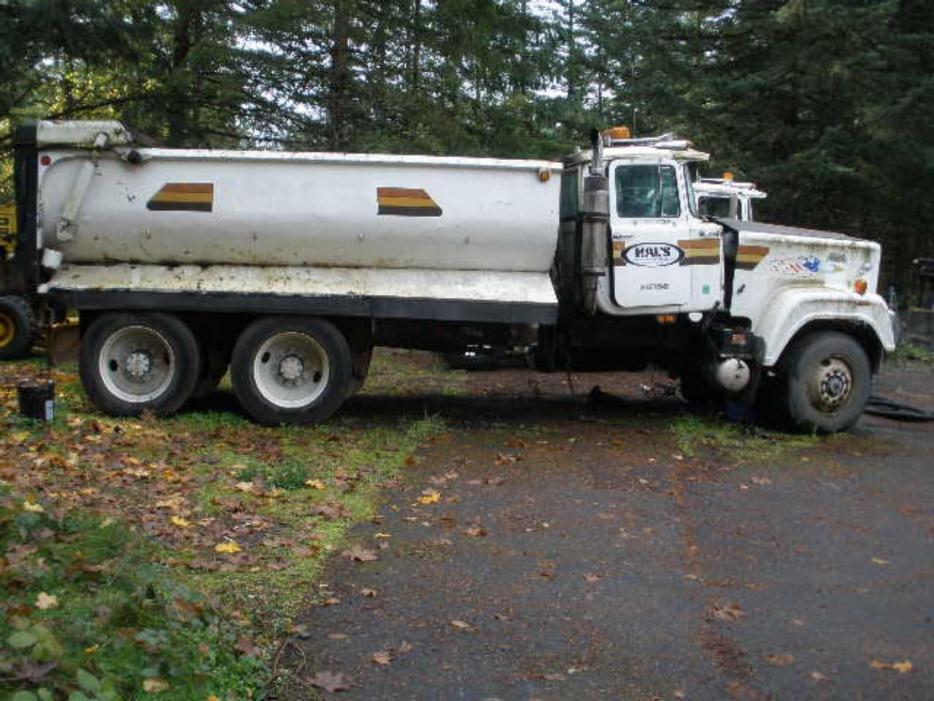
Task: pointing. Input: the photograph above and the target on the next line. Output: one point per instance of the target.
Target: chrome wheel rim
(291, 370)
(136, 364)
(831, 385)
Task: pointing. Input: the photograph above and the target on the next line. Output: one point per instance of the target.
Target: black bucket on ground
(37, 400)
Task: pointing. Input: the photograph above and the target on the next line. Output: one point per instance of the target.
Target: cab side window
(647, 191)
(715, 207)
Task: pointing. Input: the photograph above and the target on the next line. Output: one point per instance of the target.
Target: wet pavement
(580, 552)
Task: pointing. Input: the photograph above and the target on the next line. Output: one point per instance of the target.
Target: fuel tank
(263, 208)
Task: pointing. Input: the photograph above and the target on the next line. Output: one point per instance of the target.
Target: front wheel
(17, 327)
(291, 370)
(131, 363)
(827, 382)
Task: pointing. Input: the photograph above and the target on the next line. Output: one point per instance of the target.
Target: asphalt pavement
(544, 549)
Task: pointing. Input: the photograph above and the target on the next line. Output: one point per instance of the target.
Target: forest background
(826, 104)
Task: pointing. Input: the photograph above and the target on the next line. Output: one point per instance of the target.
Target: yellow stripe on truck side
(183, 197)
(406, 202)
(700, 251)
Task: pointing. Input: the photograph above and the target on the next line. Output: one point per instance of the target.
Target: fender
(792, 309)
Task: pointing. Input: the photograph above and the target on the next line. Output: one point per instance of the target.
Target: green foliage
(111, 619)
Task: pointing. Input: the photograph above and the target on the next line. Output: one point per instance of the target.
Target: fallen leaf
(405, 648)
(818, 677)
(382, 535)
(358, 553)
(728, 612)
(180, 522)
(33, 507)
(592, 577)
(329, 511)
(780, 660)
(46, 601)
(369, 593)
(331, 681)
(461, 625)
(315, 484)
(476, 531)
(245, 646)
(901, 667)
(154, 685)
(228, 547)
(383, 657)
(554, 677)
(245, 486)
(430, 496)
(880, 561)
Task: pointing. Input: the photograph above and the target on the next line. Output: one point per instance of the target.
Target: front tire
(291, 370)
(827, 382)
(17, 327)
(132, 363)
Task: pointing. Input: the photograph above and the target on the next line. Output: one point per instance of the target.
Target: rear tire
(131, 363)
(17, 327)
(291, 370)
(827, 382)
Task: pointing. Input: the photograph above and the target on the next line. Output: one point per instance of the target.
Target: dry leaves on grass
(331, 681)
(358, 553)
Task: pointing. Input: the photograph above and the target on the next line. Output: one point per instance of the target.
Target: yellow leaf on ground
(430, 496)
(228, 547)
(33, 507)
(155, 685)
(245, 486)
(180, 522)
(901, 667)
(46, 601)
(314, 484)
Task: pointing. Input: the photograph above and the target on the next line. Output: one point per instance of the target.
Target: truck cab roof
(728, 187)
(645, 148)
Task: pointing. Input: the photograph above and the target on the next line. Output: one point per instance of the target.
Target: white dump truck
(289, 268)
(726, 198)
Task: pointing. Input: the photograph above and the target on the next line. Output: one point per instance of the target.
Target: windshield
(647, 191)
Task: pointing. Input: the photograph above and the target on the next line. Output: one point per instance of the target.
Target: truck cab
(726, 198)
(731, 306)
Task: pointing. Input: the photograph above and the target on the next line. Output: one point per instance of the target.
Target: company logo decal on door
(651, 255)
(406, 202)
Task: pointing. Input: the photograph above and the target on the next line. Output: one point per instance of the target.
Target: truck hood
(762, 228)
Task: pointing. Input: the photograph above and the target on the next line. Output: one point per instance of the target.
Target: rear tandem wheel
(291, 370)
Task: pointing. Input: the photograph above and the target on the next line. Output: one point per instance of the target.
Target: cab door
(658, 243)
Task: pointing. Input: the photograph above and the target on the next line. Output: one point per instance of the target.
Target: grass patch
(91, 616)
(700, 436)
(178, 550)
(913, 352)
